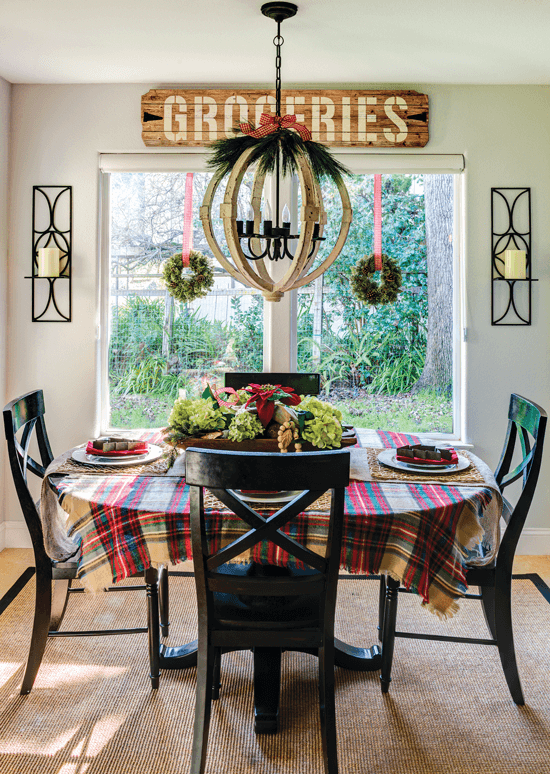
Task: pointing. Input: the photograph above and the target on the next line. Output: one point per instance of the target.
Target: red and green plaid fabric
(393, 440)
(126, 523)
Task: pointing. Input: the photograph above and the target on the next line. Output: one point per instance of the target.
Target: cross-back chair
(23, 422)
(525, 434)
(303, 384)
(239, 606)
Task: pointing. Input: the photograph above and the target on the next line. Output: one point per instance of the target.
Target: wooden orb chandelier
(253, 244)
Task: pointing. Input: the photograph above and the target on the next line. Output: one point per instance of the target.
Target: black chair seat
(233, 610)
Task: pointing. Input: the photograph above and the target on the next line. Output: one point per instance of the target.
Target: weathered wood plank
(338, 117)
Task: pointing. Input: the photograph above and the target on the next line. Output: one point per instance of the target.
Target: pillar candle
(515, 264)
(48, 261)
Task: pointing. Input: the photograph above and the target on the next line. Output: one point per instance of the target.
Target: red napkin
(141, 449)
(419, 461)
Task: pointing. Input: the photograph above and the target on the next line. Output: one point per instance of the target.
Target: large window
(157, 346)
(388, 365)
(395, 366)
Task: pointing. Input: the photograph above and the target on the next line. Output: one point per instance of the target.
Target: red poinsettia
(265, 395)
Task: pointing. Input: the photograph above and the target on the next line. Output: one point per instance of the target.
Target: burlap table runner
(322, 504)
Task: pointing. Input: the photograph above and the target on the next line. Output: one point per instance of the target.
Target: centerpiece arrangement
(260, 417)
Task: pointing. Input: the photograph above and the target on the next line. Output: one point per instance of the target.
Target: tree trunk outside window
(438, 366)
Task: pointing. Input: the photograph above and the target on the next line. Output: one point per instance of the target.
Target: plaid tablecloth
(418, 533)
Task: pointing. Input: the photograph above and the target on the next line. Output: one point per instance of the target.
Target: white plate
(278, 497)
(117, 462)
(387, 457)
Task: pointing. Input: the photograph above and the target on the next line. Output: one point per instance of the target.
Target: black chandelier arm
(253, 256)
(277, 247)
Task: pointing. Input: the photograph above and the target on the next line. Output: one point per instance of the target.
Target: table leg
(179, 657)
(358, 659)
(267, 686)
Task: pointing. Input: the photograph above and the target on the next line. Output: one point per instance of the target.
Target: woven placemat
(322, 504)
(381, 473)
(157, 468)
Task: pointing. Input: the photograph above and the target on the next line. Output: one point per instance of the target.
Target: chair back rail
(223, 472)
(303, 384)
(27, 413)
(526, 427)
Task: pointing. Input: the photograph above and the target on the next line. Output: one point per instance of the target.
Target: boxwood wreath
(367, 290)
(180, 284)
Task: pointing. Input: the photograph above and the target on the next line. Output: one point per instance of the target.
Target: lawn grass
(423, 412)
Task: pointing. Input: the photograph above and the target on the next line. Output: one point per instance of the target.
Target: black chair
(303, 384)
(525, 434)
(269, 610)
(25, 416)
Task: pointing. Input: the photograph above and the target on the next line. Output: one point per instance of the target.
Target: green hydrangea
(190, 417)
(244, 425)
(325, 429)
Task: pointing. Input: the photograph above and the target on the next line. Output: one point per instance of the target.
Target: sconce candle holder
(52, 228)
(511, 256)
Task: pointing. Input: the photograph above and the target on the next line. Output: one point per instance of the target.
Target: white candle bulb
(515, 264)
(48, 261)
(267, 211)
(286, 214)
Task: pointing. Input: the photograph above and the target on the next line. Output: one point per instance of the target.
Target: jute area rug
(92, 710)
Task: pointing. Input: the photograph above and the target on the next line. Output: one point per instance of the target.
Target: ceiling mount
(279, 11)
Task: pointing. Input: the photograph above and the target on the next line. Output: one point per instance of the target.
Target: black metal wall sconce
(52, 230)
(511, 278)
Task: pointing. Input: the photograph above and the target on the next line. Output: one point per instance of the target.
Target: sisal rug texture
(92, 710)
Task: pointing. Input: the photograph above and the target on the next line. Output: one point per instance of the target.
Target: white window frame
(280, 319)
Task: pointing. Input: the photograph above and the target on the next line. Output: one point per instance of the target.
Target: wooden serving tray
(257, 444)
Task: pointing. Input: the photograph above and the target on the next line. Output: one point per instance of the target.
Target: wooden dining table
(419, 529)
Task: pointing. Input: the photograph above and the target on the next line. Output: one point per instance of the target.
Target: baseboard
(14, 534)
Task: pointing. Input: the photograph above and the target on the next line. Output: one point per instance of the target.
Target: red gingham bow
(270, 123)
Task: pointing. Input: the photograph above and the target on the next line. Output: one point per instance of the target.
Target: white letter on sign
(397, 120)
(181, 118)
(346, 119)
(209, 118)
(290, 108)
(316, 117)
(243, 113)
(260, 102)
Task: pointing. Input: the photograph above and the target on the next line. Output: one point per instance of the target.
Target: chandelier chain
(278, 41)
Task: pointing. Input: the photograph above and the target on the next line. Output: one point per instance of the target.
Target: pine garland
(188, 288)
(369, 291)
(286, 142)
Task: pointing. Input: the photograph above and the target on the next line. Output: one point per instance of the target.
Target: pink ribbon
(270, 123)
(378, 223)
(187, 244)
(221, 401)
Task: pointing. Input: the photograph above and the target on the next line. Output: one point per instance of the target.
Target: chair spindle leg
(151, 581)
(388, 633)
(164, 600)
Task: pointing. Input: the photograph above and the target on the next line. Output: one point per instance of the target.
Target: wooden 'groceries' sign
(336, 117)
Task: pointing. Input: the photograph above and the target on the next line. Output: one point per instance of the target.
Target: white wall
(503, 133)
(5, 106)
